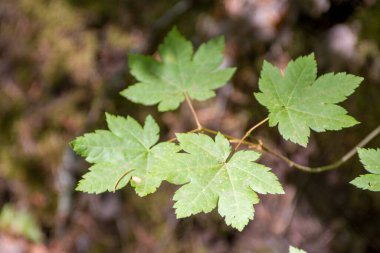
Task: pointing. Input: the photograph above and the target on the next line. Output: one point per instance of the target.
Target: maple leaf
(126, 153)
(371, 161)
(212, 181)
(298, 101)
(178, 72)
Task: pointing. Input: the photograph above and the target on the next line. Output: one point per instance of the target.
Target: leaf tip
(109, 116)
(361, 151)
(77, 147)
(125, 93)
(81, 187)
(311, 55)
(72, 144)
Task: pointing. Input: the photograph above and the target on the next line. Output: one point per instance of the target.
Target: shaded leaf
(178, 71)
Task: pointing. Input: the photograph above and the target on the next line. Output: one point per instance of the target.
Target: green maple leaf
(295, 250)
(371, 161)
(298, 101)
(212, 181)
(178, 72)
(126, 153)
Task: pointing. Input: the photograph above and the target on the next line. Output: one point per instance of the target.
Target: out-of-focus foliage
(19, 222)
(369, 18)
(295, 250)
(74, 52)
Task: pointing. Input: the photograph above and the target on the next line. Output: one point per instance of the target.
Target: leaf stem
(188, 100)
(250, 131)
(121, 178)
(260, 147)
(245, 137)
(328, 167)
(231, 138)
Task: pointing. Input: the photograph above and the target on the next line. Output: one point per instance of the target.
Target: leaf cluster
(128, 152)
(211, 173)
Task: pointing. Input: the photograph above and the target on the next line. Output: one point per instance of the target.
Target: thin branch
(260, 147)
(245, 137)
(362, 143)
(199, 126)
(332, 166)
(177, 10)
(250, 131)
(229, 137)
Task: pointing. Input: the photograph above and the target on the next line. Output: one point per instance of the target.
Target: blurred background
(62, 66)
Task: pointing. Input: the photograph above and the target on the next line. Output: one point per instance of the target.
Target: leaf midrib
(210, 181)
(296, 85)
